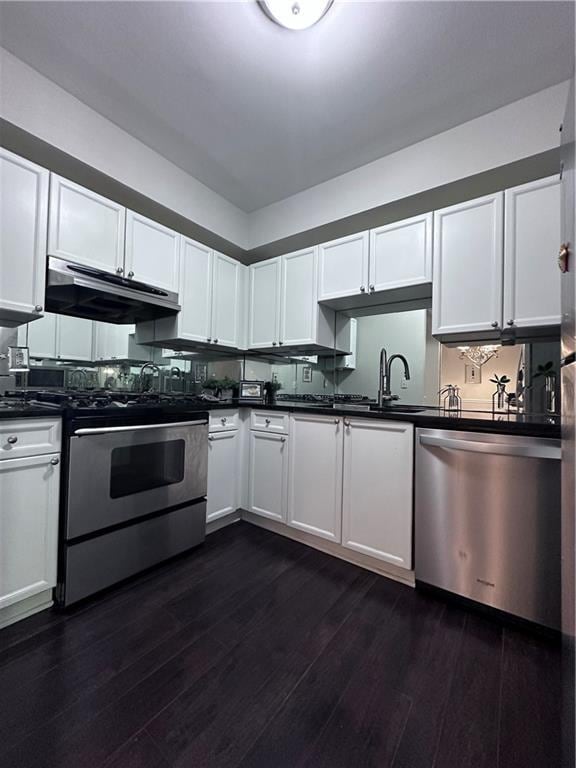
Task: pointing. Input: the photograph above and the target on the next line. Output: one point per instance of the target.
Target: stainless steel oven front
(119, 473)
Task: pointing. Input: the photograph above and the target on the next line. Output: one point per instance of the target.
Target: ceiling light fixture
(295, 14)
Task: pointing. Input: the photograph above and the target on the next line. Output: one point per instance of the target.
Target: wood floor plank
(530, 724)
(469, 737)
(295, 727)
(139, 752)
(215, 723)
(247, 578)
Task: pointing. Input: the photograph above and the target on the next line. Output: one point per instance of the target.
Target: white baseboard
(337, 550)
(25, 608)
(222, 522)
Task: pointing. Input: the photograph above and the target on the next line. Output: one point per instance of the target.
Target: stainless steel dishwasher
(487, 520)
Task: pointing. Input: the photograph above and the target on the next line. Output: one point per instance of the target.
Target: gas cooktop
(99, 400)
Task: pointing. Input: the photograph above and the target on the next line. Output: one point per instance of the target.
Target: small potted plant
(499, 396)
(270, 389)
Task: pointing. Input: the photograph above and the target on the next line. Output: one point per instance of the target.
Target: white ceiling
(259, 113)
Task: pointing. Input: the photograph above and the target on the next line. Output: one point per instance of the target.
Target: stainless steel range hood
(74, 289)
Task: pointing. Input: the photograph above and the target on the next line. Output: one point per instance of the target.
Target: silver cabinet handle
(280, 342)
(267, 421)
(336, 421)
(215, 341)
(208, 339)
(346, 422)
(54, 461)
(273, 343)
(210, 437)
(371, 289)
(130, 274)
(223, 419)
(119, 270)
(510, 322)
(38, 308)
(534, 449)
(495, 324)
(362, 289)
(282, 439)
(12, 439)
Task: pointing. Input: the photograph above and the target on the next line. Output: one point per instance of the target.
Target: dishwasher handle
(531, 450)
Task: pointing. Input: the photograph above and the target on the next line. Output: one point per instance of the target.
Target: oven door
(117, 474)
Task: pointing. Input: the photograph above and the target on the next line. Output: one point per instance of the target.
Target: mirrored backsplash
(532, 369)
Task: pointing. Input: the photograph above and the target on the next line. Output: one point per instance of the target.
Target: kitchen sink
(399, 408)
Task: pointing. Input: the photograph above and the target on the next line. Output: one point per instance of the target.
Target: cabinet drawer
(224, 421)
(270, 421)
(29, 437)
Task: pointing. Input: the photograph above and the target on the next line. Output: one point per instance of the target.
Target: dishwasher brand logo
(486, 583)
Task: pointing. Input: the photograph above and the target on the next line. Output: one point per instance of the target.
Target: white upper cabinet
(84, 227)
(24, 217)
(343, 267)
(315, 475)
(152, 252)
(227, 301)
(377, 489)
(117, 342)
(264, 304)
(59, 337)
(401, 254)
(531, 274)
(468, 263)
(42, 337)
(268, 474)
(74, 338)
(299, 305)
(195, 291)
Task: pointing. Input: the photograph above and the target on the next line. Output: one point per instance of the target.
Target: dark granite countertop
(535, 425)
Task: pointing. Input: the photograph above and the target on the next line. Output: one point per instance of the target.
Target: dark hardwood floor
(258, 652)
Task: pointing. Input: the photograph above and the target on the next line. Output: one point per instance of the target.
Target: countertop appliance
(133, 484)
(487, 520)
(74, 289)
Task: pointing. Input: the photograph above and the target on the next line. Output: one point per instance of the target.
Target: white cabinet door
(223, 474)
(42, 337)
(28, 526)
(24, 217)
(195, 291)
(116, 342)
(299, 298)
(268, 465)
(377, 490)
(74, 338)
(315, 475)
(226, 301)
(343, 267)
(85, 227)
(531, 274)
(401, 254)
(468, 262)
(152, 252)
(264, 304)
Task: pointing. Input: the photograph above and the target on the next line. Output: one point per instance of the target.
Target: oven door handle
(137, 427)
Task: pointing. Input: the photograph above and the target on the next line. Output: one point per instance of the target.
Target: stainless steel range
(133, 488)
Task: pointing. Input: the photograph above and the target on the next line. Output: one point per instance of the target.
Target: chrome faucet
(153, 367)
(384, 392)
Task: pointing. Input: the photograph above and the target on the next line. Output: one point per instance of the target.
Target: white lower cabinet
(268, 474)
(377, 489)
(223, 474)
(315, 475)
(28, 527)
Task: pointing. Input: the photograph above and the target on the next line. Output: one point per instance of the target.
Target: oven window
(138, 468)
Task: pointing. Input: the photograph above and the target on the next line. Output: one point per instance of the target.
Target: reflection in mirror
(400, 333)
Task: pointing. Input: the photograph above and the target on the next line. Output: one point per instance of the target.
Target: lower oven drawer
(102, 561)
